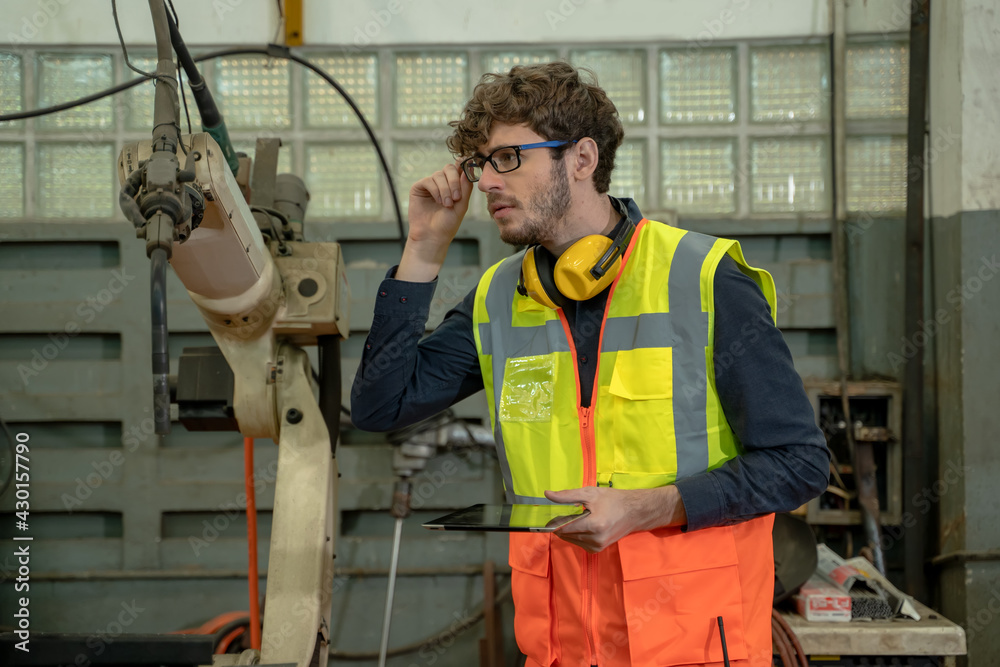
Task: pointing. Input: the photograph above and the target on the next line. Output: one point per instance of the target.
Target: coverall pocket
(531, 586)
(675, 587)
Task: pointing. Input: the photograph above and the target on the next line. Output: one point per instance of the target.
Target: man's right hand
(438, 204)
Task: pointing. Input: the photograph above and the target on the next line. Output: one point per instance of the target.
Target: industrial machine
(264, 295)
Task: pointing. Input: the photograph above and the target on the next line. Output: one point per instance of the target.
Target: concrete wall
(441, 22)
(964, 103)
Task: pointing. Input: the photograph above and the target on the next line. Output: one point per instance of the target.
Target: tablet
(510, 518)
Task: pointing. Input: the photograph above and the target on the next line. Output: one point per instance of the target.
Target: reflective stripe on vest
(646, 339)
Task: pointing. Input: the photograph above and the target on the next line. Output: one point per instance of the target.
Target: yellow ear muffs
(584, 270)
(536, 278)
(572, 273)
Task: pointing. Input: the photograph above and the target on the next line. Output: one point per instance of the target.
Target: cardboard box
(819, 601)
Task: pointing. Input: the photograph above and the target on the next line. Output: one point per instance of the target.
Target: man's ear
(584, 160)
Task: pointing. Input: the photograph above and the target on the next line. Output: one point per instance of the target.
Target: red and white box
(819, 601)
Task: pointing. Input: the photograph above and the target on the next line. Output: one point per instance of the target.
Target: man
(659, 395)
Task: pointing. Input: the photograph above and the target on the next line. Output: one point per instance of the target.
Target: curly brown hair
(554, 101)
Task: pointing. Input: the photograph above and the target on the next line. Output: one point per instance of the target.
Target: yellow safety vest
(655, 417)
(659, 416)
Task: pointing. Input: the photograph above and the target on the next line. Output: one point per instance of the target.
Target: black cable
(315, 376)
(276, 51)
(220, 634)
(35, 113)
(173, 13)
(121, 40)
(180, 81)
(13, 457)
(281, 21)
(273, 51)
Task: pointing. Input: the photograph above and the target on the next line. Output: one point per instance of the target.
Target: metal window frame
(651, 131)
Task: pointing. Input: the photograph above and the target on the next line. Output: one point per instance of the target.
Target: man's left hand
(615, 513)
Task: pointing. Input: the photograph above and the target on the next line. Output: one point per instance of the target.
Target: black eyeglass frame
(467, 164)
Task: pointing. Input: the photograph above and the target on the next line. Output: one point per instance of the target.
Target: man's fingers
(454, 180)
(569, 495)
(444, 189)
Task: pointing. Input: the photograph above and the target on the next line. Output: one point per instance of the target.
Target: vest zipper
(591, 567)
(590, 478)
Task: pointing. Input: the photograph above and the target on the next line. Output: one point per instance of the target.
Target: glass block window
(11, 87)
(358, 74)
(503, 61)
(698, 87)
(344, 181)
(415, 160)
(11, 180)
(789, 175)
(876, 174)
(136, 105)
(629, 177)
(284, 154)
(622, 75)
(697, 176)
(789, 83)
(254, 93)
(76, 180)
(66, 77)
(878, 80)
(431, 88)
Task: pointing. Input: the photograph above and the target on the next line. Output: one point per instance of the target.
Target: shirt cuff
(701, 496)
(401, 298)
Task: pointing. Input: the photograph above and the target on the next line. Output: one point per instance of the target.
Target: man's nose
(490, 180)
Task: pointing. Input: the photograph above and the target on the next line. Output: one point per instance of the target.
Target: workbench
(933, 636)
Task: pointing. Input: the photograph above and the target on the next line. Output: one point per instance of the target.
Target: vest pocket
(526, 395)
(641, 418)
(643, 374)
(675, 586)
(531, 587)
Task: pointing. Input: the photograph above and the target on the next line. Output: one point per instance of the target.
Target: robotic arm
(262, 299)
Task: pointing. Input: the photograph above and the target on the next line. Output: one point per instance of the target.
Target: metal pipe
(862, 456)
(154, 575)
(161, 355)
(329, 386)
(965, 556)
(390, 592)
(166, 113)
(915, 471)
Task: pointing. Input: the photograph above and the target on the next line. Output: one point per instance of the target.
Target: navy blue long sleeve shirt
(403, 379)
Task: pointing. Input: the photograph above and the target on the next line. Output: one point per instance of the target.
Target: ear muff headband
(583, 271)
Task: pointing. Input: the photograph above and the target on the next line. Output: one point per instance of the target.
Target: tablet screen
(510, 518)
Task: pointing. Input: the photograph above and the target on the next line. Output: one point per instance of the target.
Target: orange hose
(227, 640)
(252, 543)
(212, 626)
